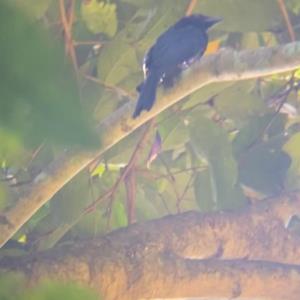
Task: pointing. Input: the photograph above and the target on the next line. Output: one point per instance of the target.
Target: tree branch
(226, 65)
(172, 257)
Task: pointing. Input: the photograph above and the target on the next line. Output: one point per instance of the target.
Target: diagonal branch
(226, 65)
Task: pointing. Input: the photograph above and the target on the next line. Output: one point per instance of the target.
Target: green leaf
(243, 16)
(239, 102)
(76, 191)
(3, 197)
(294, 6)
(12, 286)
(258, 147)
(254, 40)
(119, 215)
(11, 147)
(203, 191)
(264, 169)
(117, 60)
(100, 16)
(167, 16)
(174, 133)
(204, 94)
(106, 105)
(53, 237)
(63, 212)
(39, 97)
(255, 131)
(292, 148)
(210, 143)
(55, 290)
(145, 209)
(91, 224)
(122, 151)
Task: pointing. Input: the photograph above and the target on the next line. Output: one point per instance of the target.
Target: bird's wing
(177, 46)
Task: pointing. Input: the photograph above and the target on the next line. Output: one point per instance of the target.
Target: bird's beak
(210, 21)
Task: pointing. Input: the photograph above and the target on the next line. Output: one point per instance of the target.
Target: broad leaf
(292, 148)
(100, 16)
(210, 143)
(117, 60)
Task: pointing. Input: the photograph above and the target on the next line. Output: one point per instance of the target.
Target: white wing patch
(145, 70)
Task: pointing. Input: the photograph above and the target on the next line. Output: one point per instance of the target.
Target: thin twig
(35, 153)
(287, 20)
(187, 187)
(156, 175)
(130, 186)
(68, 33)
(190, 7)
(71, 13)
(110, 87)
(172, 181)
(130, 164)
(111, 192)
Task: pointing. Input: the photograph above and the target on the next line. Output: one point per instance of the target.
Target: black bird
(174, 50)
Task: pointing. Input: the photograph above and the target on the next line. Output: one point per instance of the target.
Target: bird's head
(202, 20)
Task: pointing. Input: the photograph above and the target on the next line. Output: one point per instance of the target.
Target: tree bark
(247, 253)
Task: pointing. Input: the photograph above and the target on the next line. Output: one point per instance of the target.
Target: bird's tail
(147, 95)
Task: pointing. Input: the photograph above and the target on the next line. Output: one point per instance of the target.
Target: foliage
(13, 288)
(217, 143)
(217, 186)
(39, 96)
(100, 17)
